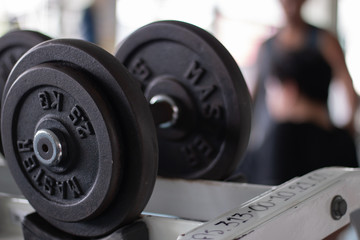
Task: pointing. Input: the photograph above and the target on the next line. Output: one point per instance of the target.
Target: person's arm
(335, 56)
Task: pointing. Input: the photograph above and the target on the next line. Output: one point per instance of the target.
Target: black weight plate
(12, 46)
(192, 67)
(111, 161)
(85, 177)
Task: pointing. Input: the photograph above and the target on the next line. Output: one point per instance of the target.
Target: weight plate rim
(28, 38)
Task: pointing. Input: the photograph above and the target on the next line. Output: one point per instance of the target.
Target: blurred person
(88, 31)
(271, 157)
(297, 36)
(302, 138)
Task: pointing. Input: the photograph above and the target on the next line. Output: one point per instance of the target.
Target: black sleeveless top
(271, 53)
(280, 151)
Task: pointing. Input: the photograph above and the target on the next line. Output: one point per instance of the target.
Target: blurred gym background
(241, 25)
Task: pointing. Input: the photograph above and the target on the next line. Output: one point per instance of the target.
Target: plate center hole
(45, 148)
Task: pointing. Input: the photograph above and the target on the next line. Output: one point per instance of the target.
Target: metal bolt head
(338, 207)
(47, 147)
(175, 109)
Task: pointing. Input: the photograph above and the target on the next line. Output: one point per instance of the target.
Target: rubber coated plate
(190, 66)
(76, 91)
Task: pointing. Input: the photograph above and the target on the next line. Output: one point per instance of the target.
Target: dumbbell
(12, 46)
(198, 96)
(81, 140)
